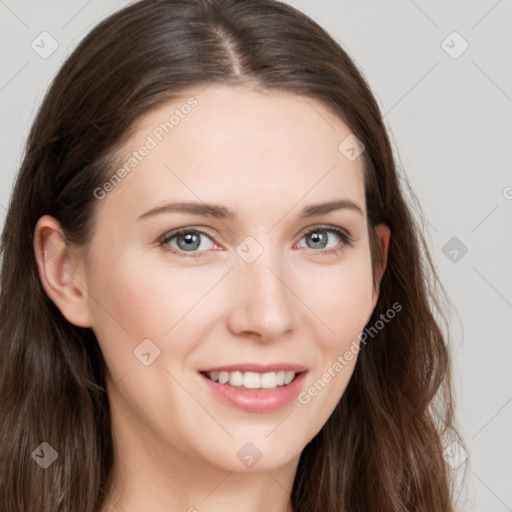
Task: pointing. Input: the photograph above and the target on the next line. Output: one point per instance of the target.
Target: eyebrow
(223, 212)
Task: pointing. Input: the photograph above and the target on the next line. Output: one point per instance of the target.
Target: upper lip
(256, 367)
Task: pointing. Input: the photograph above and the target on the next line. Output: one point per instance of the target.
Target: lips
(255, 387)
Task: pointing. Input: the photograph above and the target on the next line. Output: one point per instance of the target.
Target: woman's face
(269, 290)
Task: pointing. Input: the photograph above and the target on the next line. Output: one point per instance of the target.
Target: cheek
(131, 301)
(144, 299)
(127, 306)
(341, 306)
(341, 299)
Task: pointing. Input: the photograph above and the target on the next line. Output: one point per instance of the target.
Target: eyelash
(347, 240)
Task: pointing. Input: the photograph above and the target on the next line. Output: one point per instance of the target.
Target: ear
(61, 271)
(383, 234)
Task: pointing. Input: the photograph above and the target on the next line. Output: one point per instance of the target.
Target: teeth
(253, 380)
(288, 377)
(236, 379)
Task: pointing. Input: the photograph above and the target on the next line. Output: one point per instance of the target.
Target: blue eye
(319, 237)
(188, 240)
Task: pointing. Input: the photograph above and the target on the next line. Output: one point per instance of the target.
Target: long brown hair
(381, 449)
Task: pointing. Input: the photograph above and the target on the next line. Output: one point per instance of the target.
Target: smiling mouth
(252, 380)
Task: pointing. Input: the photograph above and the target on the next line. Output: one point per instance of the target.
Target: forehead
(239, 146)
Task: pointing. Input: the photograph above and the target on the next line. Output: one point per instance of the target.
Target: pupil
(317, 238)
(191, 241)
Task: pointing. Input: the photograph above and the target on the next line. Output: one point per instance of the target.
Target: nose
(263, 304)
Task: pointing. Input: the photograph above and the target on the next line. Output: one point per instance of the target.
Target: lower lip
(257, 400)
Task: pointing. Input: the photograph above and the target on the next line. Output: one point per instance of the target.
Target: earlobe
(61, 271)
(383, 236)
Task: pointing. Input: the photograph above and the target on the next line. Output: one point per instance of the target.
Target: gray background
(449, 119)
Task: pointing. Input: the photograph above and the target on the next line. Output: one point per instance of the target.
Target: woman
(213, 290)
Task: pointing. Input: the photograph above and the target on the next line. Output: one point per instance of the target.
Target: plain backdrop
(441, 73)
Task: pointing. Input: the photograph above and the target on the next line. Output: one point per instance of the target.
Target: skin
(266, 155)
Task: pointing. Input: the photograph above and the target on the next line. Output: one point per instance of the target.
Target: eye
(187, 240)
(318, 236)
